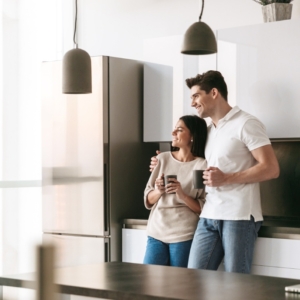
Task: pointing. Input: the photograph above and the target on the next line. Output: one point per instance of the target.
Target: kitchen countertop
(116, 280)
(135, 223)
(280, 227)
(273, 227)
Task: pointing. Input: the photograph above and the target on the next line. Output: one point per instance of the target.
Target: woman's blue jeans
(167, 254)
(217, 239)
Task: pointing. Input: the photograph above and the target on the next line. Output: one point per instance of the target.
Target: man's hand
(153, 162)
(214, 177)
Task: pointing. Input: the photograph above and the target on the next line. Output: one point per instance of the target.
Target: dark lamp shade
(199, 39)
(77, 72)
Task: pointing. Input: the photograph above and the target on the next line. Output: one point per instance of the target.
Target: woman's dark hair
(209, 80)
(198, 129)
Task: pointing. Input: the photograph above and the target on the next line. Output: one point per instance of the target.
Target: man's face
(201, 101)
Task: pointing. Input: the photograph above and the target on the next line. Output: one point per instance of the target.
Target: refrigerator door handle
(107, 250)
(106, 201)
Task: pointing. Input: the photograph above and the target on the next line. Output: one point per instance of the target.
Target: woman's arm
(153, 197)
(155, 194)
(175, 187)
(155, 186)
(193, 204)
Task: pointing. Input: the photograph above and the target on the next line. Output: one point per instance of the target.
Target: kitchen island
(116, 280)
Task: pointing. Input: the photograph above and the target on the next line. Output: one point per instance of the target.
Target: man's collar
(227, 117)
(231, 113)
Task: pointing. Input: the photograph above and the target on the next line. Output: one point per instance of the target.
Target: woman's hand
(174, 186)
(159, 184)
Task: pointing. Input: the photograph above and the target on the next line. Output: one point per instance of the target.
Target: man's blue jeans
(167, 254)
(217, 239)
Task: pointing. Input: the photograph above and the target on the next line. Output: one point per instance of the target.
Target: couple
(239, 155)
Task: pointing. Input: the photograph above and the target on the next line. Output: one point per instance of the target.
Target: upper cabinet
(261, 65)
(158, 102)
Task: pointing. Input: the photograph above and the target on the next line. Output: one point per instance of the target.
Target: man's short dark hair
(209, 80)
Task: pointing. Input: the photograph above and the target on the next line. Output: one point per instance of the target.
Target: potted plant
(276, 10)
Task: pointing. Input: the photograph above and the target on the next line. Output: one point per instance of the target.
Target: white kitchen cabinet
(276, 257)
(158, 99)
(134, 243)
(261, 66)
(272, 256)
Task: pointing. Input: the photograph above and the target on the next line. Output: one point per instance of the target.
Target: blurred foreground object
(45, 288)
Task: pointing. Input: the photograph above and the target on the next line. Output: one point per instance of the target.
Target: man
(239, 156)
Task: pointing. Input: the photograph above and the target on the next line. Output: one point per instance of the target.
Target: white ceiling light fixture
(77, 68)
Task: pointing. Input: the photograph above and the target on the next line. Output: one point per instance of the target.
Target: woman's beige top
(171, 220)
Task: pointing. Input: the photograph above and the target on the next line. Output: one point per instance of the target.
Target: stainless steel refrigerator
(95, 164)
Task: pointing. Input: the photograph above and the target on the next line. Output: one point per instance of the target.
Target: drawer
(279, 253)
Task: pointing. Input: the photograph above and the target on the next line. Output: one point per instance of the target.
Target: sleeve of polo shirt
(254, 134)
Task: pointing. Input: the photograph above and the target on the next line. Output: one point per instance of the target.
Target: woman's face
(181, 136)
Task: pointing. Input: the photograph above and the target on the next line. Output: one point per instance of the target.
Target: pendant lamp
(77, 69)
(199, 39)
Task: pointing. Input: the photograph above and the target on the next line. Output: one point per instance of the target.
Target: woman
(175, 207)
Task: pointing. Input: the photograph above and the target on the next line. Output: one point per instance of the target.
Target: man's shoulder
(244, 116)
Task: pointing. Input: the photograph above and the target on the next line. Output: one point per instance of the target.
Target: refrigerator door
(76, 250)
(73, 155)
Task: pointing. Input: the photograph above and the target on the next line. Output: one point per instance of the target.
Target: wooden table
(116, 280)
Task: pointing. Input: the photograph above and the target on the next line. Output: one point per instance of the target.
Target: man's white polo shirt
(228, 148)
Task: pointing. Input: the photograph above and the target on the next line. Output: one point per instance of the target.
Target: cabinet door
(134, 243)
(261, 65)
(158, 103)
(276, 257)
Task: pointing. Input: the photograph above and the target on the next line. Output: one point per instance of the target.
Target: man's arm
(266, 168)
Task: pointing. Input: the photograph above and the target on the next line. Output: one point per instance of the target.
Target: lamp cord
(201, 11)
(75, 26)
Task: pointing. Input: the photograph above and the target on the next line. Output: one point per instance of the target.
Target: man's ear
(214, 92)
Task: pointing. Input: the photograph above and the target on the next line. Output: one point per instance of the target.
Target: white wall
(152, 30)
(118, 27)
(232, 13)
